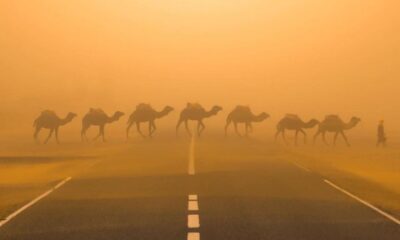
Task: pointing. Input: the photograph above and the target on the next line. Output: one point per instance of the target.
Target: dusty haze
(309, 57)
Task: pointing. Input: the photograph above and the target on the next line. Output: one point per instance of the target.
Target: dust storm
(304, 59)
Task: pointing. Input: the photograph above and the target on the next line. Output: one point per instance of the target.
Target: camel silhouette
(49, 120)
(243, 114)
(97, 117)
(293, 122)
(145, 113)
(333, 123)
(196, 112)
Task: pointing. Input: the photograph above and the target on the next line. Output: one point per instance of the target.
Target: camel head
(216, 109)
(355, 120)
(71, 115)
(168, 109)
(118, 114)
(262, 116)
(68, 118)
(164, 112)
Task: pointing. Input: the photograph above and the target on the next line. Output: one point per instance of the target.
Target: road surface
(182, 191)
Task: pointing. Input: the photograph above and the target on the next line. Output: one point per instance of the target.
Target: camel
(243, 114)
(333, 123)
(145, 113)
(97, 117)
(196, 112)
(293, 122)
(49, 120)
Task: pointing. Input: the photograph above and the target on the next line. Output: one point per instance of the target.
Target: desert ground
(246, 188)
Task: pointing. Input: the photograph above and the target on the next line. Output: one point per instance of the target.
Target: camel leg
(345, 138)
(295, 137)
(48, 137)
(152, 127)
(98, 135)
(305, 135)
(102, 133)
(316, 136)
(284, 137)
(35, 135)
(198, 128)
(139, 130)
(201, 128)
(56, 133)
(247, 129)
(279, 131)
(228, 122)
(128, 129)
(83, 133)
(187, 128)
(178, 125)
(335, 138)
(324, 138)
(236, 129)
(250, 126)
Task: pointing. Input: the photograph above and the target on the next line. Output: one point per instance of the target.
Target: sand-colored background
(307, 57)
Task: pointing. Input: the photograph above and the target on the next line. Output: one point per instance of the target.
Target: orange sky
(309, 57)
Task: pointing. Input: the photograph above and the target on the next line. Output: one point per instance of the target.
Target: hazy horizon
(307, 57)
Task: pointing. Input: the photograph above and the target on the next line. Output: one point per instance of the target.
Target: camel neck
(112, 119)
(210, 113)
(65, 120)
(308, 124)
(350, 125)
(258, 118)
(162, 113)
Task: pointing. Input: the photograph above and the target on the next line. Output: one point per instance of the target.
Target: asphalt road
(241, 195)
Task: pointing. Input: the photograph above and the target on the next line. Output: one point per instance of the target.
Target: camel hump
(194, 106)
(143, 106)
(332, 117)
(243, 108)
(48, 113)
(291, 115)
(96, 111)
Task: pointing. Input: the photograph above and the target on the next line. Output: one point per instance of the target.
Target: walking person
(381, 135)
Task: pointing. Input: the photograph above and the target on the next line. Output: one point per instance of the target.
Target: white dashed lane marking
(193, 221)
(193, 236)
(193, 218)
(193, 206)
(191, 167)
(192, 197)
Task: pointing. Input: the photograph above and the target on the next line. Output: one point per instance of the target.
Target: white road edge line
(383, 213)
(16, 213)
(300, 166)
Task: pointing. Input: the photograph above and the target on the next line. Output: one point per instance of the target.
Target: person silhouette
(381, 135)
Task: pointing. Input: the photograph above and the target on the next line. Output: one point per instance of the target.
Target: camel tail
(35, 122)
(228, 122)
(279, 126)
(130, 119)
